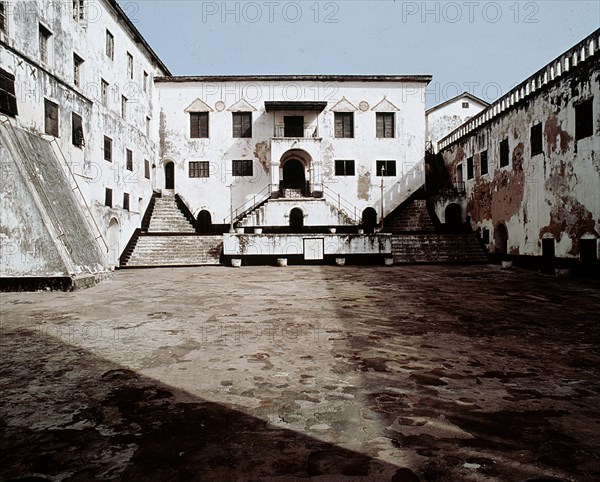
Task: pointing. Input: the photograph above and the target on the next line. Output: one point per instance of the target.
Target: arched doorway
(294, 176)
(453, 217)
(204, 222)
(169, 175)
(296, 220)
(501, 239)
(112, 240)
(369, 220)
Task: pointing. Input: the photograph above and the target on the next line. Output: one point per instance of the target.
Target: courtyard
(414, 373)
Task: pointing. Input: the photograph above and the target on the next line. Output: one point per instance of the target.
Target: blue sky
(484, 47)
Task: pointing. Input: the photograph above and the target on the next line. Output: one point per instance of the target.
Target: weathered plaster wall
(553, 194)
(361, 190)
(54, 80)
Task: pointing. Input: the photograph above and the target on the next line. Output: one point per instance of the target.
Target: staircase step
(437, 248)
(176, 251)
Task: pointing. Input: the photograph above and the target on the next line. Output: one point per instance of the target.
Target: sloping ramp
(44, 231)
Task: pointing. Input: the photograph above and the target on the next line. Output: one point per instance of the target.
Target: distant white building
(447, 116)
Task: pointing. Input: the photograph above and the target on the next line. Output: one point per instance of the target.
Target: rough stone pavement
(415, 373)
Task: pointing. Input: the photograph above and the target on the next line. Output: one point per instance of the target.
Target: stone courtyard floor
(419, 373)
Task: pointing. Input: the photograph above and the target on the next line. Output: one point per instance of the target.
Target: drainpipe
(231, 230)
(382, 176)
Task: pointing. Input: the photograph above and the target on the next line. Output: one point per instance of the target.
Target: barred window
(242, 168)
(199, 169)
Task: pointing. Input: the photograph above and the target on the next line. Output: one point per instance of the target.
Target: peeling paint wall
(555, 193)
(266, 150)
(37, 80)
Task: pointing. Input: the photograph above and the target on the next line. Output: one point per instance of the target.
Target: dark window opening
(129, 65)
(129, 156)
(588, 250)
(344, 168)
(242, 124)
(385, 124)
(344, 124)
(44, 43)
(77, 66)
(124, 107)
(536, 139)
(584, 117)
(469, 168)
(104, 92)
(3, 17)
(501, 239)
(504, 153)
(77, 130)
(50, 118)
(386, 168)
(110, 45)
(146, 168)
(199, 169)
(242, 168)
(78, 9)
(293, 126)
(126, 201)
(8, 98)
(198, 125)
(107, 149)
(483, 163)
(108, 197)
(465, 105)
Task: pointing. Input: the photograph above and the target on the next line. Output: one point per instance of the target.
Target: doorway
(204, 222)
(294, 176)
(453, 218)
(296, 220)
(369, 220)
(501, 239)
(169, 175)
(293, 126)
(548, 255)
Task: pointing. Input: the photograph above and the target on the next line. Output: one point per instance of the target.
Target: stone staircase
(176, 250)
(412, 216)
(168, 238)
(437, 248)
(168, 218)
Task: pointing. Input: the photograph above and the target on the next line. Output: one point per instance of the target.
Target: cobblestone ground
(279, 374)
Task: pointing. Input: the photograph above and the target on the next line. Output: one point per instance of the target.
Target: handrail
(343, 205)
(245, 208)
(32, 174)
(78, 189)
(309, 133)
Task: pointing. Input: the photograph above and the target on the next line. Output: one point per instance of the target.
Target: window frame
(584, 127)
(130, 65)
(77, 139)
(341, 127)
(129, 159)
(44, 39)
(146, 169)
(197, 127)
(504, 153)
(342, 167)
(108, 197)
(198, 169)
(77, 70)
(385, 163)
(124, 101)
(242, 168)
(8, 96)
(536, 140)
(126, 201)
(3, 18)
(380, 131)
(54, 109)
(240, 131)
(110, 45)
(108, 142)
(470, 168)
(484, 161)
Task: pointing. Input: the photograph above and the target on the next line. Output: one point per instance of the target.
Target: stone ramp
(175, 250)
(45, 231)
(410, 217)
(437, 248)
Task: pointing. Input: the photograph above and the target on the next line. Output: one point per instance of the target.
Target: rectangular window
(483, 163)
(44, 40)
(584, 120)
(469, 168)
(129, 65)
(126, 201)
(77, 67)
(108, 197)
(344, 168)
(110, 45)
(3, 23)
(242, 124)
(145, 81)
(386, 168)
(50, 118)
(107, 149)
(124, 107)
(104, 92)
(78, 10)
(77, 130)
(129, 156)
(148, 126)
(344, 125)
(146, 168)
(8, 98)
(536, 139)
(198, 125)
(200, 169)
(588, 250)
(465, 105)
(385, 124)
(242, 168)
(504, 153)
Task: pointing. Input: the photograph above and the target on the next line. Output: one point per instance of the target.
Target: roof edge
(321, 78)
(464, 94)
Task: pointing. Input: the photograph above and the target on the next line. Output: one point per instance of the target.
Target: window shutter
(8, 99)
(237, 125)
(246, 124)
(380, 130)
(77, 131)
(51, 118)
(339, 126)
(389, 125)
